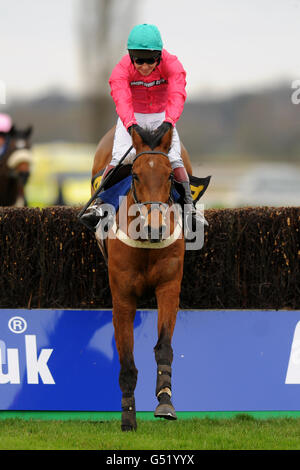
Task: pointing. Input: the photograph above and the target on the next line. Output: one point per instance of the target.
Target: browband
(151, 152)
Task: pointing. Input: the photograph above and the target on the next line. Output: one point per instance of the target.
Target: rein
(158, 204)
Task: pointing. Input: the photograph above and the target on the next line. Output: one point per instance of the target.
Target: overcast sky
(225, 45)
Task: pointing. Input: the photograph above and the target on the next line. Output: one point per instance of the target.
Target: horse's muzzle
(155, 225)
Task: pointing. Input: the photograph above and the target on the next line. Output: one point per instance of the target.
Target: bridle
(12, 146)
(153, 204)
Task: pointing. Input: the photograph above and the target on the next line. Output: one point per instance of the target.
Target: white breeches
(122, 139)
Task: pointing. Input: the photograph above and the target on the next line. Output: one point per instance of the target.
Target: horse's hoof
(128, 427)
(128, 423)
(165, 411)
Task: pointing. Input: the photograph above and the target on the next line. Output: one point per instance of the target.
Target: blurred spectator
(5, 127)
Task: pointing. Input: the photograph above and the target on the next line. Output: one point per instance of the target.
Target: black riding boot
(92, 215)
(193, 220)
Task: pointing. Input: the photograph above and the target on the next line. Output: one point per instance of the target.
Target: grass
(242, 432)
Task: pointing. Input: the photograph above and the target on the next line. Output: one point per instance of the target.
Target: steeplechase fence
(250, 259)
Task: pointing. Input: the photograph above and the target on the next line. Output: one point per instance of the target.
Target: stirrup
(193, 219)
(200, 218)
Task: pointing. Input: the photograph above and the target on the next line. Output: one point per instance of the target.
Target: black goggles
(149, 60)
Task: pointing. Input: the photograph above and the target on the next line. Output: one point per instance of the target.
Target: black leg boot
(165, 409)
(128, 414)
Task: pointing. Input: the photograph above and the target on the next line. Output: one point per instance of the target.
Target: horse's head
(18, 157)
(152, 178)
(15, 166)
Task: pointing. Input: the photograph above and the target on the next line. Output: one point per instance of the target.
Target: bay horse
(134, 266)
(15, 164)
(103, 155)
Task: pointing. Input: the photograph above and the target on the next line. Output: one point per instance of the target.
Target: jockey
(5, 127)
(148, 88)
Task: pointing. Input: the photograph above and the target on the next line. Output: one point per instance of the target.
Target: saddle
(120, 172)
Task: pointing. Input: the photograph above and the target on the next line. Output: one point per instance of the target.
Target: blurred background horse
(15, 166)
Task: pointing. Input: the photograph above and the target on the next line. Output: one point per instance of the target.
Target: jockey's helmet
(5, 123)
(146, 38)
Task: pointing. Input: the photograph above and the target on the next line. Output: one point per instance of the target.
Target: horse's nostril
(163, 229)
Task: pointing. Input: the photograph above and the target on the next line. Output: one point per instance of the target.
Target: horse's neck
(122, 218)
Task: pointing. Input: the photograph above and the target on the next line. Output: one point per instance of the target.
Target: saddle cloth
(113, 194)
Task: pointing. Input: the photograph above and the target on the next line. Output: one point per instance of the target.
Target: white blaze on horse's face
(153, 187)
(20, 144)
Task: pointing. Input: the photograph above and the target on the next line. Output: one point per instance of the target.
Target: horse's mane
(150, 137)
(20, 133)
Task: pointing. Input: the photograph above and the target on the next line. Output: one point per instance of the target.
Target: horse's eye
(135, 176)
(171, 177)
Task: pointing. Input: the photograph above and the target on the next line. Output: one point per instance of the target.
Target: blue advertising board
(224, 360)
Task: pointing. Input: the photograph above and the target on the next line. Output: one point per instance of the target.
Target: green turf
(242, 432)
(143, 415)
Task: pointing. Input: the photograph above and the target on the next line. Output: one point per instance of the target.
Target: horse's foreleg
(123, 318)
(168, 304)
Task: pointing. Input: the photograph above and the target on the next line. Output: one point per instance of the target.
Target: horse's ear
(137, 140)
(166, 140)
(12, 130)
(28, 131)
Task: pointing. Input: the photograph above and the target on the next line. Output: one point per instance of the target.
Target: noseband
(157, 204)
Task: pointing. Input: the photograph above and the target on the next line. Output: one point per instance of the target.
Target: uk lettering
(37, 369)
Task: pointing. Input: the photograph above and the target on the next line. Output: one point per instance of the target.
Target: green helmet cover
(145, 37)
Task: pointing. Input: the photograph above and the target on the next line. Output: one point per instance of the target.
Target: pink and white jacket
(162, 90)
